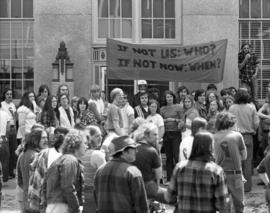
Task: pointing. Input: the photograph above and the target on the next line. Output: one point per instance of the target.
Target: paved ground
(254, 201)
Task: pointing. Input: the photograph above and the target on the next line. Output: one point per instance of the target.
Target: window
(115, 18)
(139, 21)
(158, 19)
(16, 46)
(254, 28)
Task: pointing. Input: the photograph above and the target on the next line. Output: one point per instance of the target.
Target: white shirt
(4, 119)
(156, 119)
(126, 111)
(52, 156)
(185, 148)
(7, 107)
(27, 119)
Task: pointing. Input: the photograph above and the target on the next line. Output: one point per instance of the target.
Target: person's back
(198, 186)
(114, 187)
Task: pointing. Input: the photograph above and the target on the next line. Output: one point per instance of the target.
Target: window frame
(137, 26)
(25, 58)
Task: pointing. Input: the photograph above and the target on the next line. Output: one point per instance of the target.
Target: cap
(119, 144)
(142, 82)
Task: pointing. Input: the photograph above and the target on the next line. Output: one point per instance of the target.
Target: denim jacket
(65, 182)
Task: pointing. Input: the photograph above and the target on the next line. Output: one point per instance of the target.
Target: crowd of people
(70, 154)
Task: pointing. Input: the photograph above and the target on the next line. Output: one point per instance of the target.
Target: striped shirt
(119, 188)
(199, 187)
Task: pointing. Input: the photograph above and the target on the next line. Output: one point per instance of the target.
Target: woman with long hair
(49, 113)
(173, 117)
(190, 113)
(212, 116)
(85, 116)
(35, 141)
(26, 114)
(44, 91)
(156, 118)
(91, 161)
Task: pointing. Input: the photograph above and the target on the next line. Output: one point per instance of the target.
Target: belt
(233, 172)
(247, 133)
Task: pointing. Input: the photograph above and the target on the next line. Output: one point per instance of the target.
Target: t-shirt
(185, 148)
(4, 119)
(172, 111)
(114, 114)
(156, 119)
(126, 111)
(147, 159)
(227, 149)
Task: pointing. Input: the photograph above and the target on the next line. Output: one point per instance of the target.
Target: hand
(247, 56)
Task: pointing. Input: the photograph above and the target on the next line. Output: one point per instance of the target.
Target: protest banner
(202, 63)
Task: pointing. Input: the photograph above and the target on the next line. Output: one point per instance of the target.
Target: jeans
(236, 189)
(4, 158)
(89, 205)
(171, 142)
(12, 140)
(247, 164)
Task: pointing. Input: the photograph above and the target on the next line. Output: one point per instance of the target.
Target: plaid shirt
(248, 70)
(199, 187)
(119, 188)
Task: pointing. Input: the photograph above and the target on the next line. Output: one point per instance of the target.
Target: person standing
(64, 187)
(114, 122)
(173, 116)
(247, 122)
(142, 87)
(198, 184)
(127, 114)
(4, 146)
(66, 115)
(230, 151)
(142, 109)
(26, 114)
(148, 162)
(96, 102)
(92, 160)
(248, 68)
(8, 106)
(118, 185)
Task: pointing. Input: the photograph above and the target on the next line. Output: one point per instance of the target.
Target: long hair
(48, 108)
(42, 88)
(4, 93)
(168, 92)
(202, 149)
(82, 100)
(32, 140)
(26, 102)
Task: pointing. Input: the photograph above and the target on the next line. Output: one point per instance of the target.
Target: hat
(142, 82)
(119, 144)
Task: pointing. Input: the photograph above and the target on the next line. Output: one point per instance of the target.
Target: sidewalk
(254, 201)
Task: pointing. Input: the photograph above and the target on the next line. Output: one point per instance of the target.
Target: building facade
(31, 32)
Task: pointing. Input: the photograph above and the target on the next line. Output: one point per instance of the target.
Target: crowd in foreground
(95, 156)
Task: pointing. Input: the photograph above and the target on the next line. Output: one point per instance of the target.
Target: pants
(171, 142)
(4, 158)
(251, 86)
(12, 140)
(57, 208)
(89, 205)
(236, 189)
(247, 164)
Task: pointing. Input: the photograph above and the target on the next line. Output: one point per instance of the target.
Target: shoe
(260, 184)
